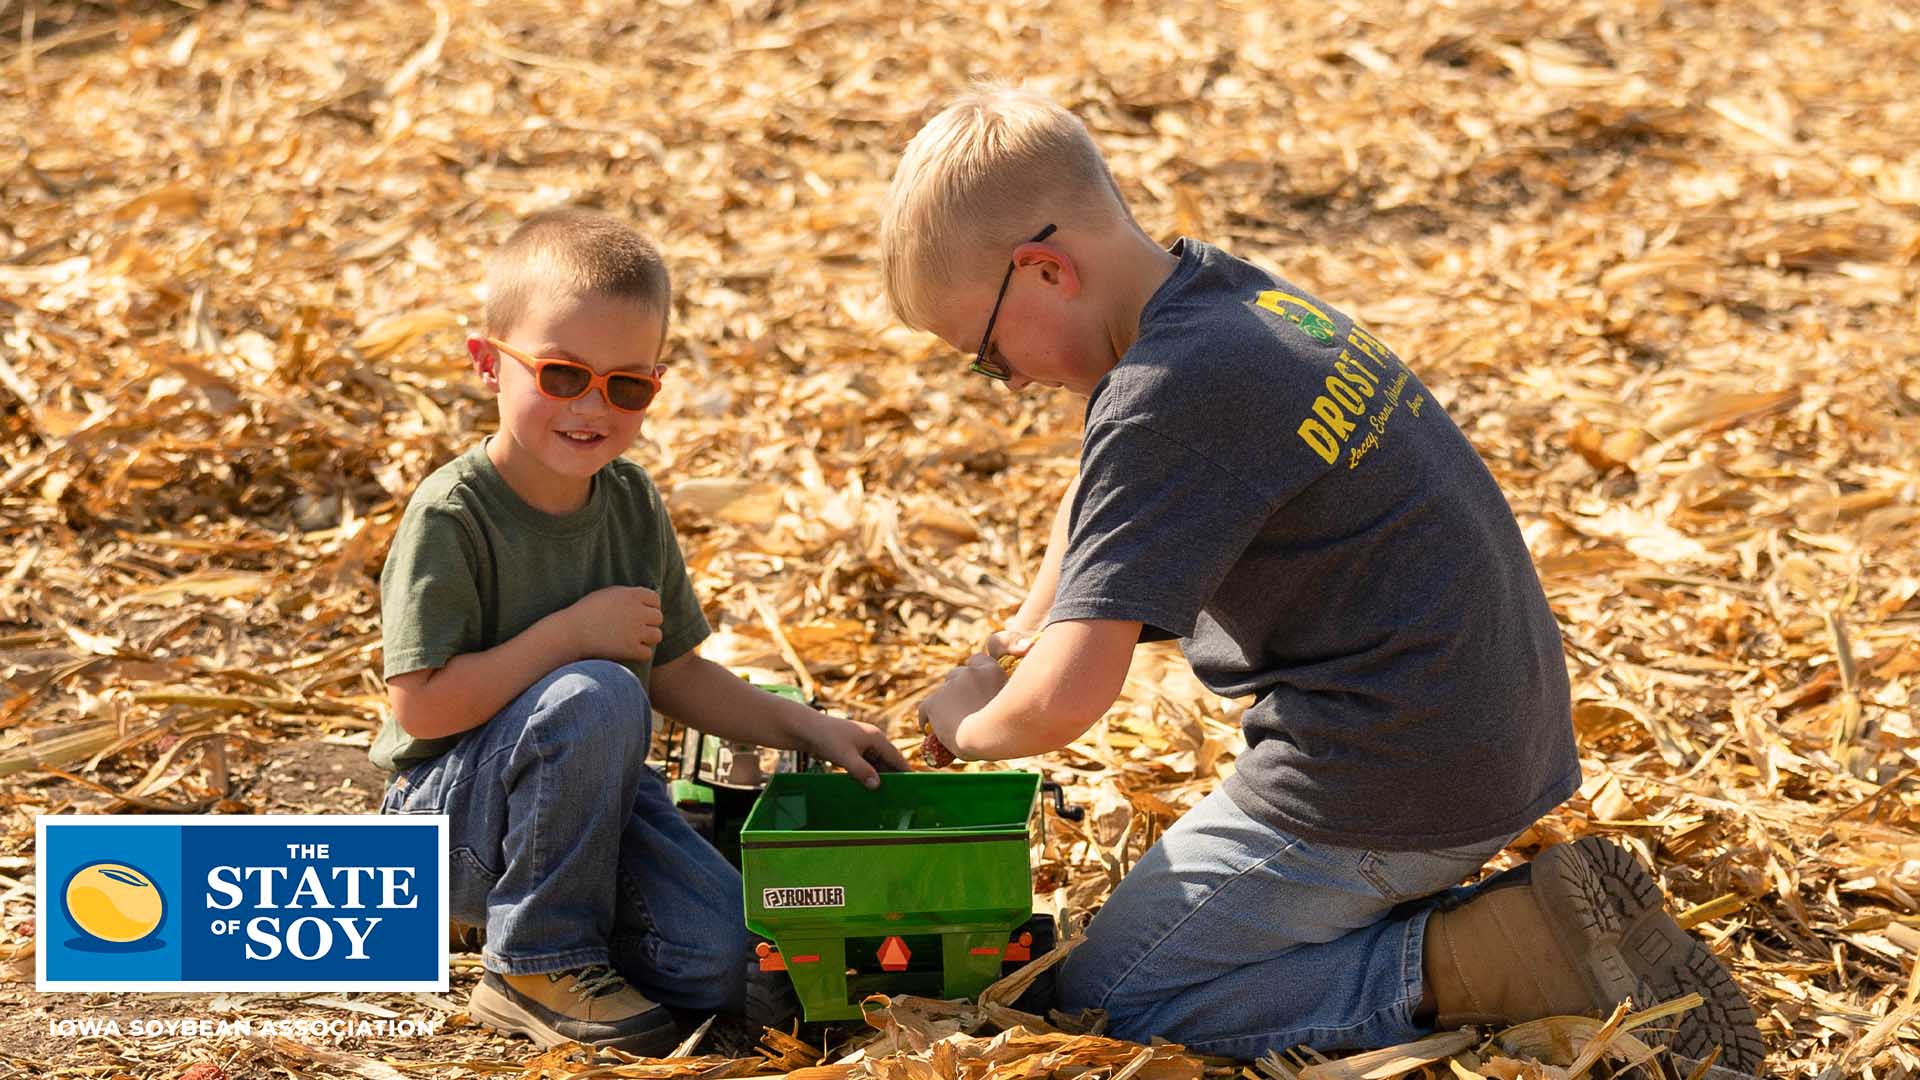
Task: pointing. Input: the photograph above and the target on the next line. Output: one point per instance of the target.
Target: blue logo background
(392, 946)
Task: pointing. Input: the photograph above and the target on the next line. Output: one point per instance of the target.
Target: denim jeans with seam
(1235, 938)
(565, 846)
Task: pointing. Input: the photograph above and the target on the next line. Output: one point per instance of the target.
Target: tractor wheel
(1038, 998)
(771, 1001)
(1040, 935)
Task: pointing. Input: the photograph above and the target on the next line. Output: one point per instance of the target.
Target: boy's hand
(1011, 642)
(857, 747)
(619, 622)
(967, 690)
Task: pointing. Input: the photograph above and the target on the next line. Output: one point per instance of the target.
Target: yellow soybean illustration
(114, 902)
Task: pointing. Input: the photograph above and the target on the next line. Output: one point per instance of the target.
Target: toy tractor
(715, 781)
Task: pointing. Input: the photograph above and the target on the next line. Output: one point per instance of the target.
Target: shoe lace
(597, 980)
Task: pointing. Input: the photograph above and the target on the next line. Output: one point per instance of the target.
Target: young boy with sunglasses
(535, 613)
(1266, 481)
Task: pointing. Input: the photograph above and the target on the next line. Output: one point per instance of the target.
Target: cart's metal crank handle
(1059, 793)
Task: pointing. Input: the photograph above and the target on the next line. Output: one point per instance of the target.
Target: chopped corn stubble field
(1661, 261)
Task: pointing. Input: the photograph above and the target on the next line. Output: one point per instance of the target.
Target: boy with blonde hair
(535, 613)
(1267, 482)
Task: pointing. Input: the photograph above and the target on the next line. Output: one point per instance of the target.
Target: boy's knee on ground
(1102, 979)
(1130, 1004)
(1081, 986)
(1073, 989)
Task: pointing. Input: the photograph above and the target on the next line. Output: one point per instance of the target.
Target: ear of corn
(932, 750)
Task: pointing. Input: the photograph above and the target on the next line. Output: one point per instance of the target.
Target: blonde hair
(579, 251)
(980, 178)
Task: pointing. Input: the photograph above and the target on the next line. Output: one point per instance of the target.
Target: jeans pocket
(467, 860)
(1407, 875)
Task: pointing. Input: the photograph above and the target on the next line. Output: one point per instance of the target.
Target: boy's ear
(1055, 266)
(486, 361)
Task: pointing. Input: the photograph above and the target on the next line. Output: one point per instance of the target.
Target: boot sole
(502, 1013)
(1607, 908)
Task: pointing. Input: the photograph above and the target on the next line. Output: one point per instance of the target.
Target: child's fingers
(892, 754)
(862, 770)
(1002, 643)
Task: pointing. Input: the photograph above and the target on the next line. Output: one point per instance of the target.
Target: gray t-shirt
(1267, 482)
(473, 565)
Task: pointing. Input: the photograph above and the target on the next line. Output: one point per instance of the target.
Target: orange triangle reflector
(894, 954)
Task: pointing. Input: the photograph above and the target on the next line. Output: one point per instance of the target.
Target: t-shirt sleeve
(429, 592)
(682, 624)
(1155, 528)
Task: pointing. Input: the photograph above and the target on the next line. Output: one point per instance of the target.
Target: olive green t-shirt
(473, 565)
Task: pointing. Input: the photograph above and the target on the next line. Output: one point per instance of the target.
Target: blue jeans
(1234, 938)
(565, 846)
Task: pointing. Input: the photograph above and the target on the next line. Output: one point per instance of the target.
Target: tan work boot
(591, 1005)
(1574, 932)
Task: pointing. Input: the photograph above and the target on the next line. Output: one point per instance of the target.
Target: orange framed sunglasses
(570, 380)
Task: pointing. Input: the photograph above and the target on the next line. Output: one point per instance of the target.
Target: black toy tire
(1041, 927)
(771, 1001)
(1038, 998)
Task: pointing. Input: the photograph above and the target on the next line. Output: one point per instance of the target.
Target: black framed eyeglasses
(994, 369)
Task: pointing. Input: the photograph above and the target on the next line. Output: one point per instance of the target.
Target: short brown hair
(991, 168)
(577, 250)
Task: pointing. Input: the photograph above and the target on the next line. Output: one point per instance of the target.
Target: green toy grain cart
(921, 886)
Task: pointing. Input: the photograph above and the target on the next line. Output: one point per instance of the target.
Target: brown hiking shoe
(591, 1005)
(1574, 932)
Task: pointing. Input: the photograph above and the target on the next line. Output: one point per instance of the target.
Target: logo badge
(1311, 320)
(813, 896)
(175, 902)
